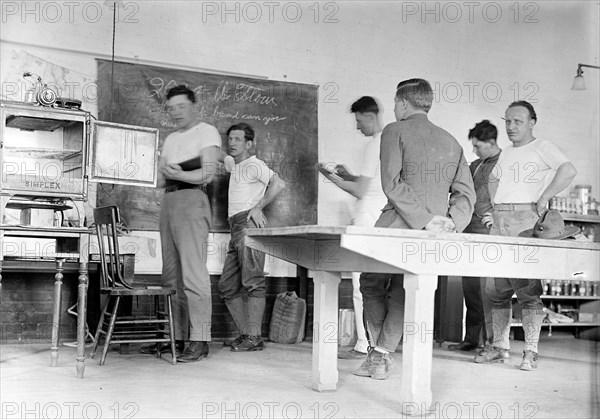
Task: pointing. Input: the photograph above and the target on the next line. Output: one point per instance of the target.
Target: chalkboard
(283, 115)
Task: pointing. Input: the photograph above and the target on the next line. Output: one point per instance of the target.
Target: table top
(41, 265)
(370, 249)
(38, 231)
(321, 232)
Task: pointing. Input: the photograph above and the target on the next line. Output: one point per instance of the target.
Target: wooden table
(39, 260)
(421, 256)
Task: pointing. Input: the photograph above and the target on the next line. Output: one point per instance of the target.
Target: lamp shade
(578, 83)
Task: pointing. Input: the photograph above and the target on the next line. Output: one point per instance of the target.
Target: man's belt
(177, 186)
(516, 207)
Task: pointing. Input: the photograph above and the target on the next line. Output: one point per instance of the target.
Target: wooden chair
(123, 329)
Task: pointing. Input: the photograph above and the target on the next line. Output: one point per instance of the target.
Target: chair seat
(138, 291)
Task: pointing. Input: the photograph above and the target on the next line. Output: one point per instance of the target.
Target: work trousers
(528, 291)
(361, 218)
(243, 270)
(479, 326)
(185, 217)
(383, 299)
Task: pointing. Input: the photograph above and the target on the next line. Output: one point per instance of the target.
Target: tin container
(583, 192)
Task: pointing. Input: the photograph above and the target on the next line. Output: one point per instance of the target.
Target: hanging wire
(112, 60)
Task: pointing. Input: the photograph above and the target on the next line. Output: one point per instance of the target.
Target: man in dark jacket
(428, 184)
(479, 311)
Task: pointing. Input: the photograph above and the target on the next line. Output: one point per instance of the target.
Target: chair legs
(111, 328)
(171, 330)
(115, 300)
(99, 328)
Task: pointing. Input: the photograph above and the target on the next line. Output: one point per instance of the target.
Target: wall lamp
(578, 82)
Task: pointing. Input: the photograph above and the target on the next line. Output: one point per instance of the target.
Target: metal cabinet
(48, 156)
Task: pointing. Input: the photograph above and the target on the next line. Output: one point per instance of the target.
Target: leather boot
(375, 366)
(253, 341)
(463, 346)
(164, 348)
(250, 344)
(196, 351)
(493, 355)
(234, 342)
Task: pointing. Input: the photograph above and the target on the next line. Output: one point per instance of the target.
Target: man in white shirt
(252, 186)
(366, 187)
(529, 172)
(185, 218)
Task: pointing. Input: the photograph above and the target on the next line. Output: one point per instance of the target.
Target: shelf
(570, 297)
(41, 153)
(576, 324)
(581, 218)
(29, 123)
(25, 204)
(73, 169)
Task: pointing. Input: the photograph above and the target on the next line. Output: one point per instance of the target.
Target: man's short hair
(527, 105)
(365, 104)
(484, 131)
(417, 92)
(242, 126)
(181, 90)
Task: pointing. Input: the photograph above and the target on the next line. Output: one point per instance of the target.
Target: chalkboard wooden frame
(284, 116)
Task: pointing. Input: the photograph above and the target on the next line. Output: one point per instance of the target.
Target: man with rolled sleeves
(366, 187)
(428, 184)
(185, 218)
(252, 186)
(529, 172)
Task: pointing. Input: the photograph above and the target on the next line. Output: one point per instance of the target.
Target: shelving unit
(587, 221)
(42, 153)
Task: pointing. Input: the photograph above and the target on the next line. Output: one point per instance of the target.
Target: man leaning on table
(428, 184)
(529, 172)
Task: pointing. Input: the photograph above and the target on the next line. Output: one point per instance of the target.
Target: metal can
(563, 204)
(575, 288)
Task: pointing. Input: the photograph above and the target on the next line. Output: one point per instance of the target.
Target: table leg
(58, 277)
(81, 318)
(325, 331)
(1, 255)
(417, 351)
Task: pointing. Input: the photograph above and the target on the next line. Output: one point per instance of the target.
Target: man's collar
(416, 116)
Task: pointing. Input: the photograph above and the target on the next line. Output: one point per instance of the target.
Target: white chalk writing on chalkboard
(283, 114)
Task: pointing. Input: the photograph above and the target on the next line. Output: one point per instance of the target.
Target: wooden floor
(275, 383)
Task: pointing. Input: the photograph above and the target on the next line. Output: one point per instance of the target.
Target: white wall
(479, 56)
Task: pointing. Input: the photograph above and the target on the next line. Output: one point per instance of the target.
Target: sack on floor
(287, 321)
